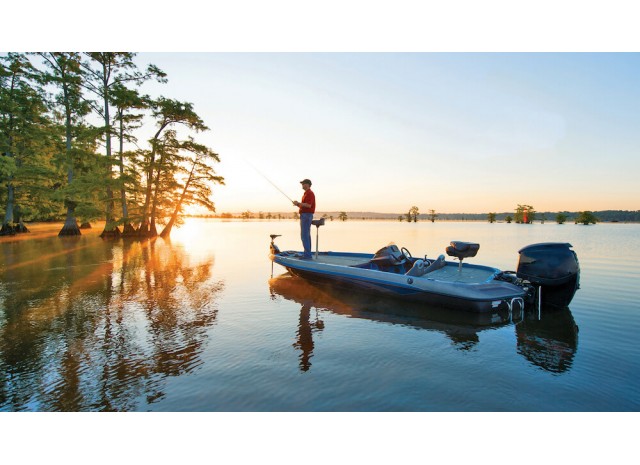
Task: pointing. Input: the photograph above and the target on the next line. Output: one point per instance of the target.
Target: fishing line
(268, 180)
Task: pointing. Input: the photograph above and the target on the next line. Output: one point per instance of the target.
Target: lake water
(205, 322)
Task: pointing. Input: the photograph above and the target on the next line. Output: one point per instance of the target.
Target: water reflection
(94, 325)
(304, 335)
(549, 343)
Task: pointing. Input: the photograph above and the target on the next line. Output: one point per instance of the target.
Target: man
(307, 207)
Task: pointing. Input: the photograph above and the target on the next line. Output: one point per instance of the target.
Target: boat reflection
(96, 326)
(548, 343)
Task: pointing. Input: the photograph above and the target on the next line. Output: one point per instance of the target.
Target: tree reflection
(100, 326)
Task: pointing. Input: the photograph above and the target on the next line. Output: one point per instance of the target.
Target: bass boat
(548, 274)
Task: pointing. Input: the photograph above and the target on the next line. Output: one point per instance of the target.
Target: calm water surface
(204, 322)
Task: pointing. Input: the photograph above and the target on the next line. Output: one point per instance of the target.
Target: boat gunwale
(401, 281)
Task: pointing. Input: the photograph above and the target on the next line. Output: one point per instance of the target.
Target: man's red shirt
(310, 198)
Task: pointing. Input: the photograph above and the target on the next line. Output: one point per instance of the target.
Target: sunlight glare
(186, 232)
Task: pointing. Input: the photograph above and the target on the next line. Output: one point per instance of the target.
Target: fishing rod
(269, 181)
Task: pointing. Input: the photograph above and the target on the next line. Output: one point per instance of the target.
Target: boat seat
(318, 223)
(462, 250)
(435, 265)
(418, 268)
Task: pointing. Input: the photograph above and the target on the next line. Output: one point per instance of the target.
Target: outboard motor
(552, 267)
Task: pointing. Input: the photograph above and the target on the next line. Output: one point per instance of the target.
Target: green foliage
(8, 167)
(27, 137)
(524, 214)
(491, 217)
(586, 218)
(412, 214)
(561, 218)
(49, 154)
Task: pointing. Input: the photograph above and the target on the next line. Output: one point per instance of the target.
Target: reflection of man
(307, 208)
(304, 339)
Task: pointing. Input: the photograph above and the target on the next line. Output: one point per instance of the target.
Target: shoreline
(46, 229)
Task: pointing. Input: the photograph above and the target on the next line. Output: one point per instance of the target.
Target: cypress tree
(66, 74)
(25, 140)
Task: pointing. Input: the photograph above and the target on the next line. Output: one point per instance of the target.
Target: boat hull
(470, 287)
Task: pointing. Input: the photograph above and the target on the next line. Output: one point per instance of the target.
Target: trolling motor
(317, 224)
(273, 247)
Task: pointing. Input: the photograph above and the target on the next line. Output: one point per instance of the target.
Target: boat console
(388, 256)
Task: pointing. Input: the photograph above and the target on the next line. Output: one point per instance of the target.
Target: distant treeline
(622, 216)
(602, 216)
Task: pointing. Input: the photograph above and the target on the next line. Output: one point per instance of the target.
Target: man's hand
(296, 203)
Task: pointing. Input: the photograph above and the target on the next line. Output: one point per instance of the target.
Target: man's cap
(305, 181)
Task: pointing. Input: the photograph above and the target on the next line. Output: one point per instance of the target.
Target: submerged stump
(85, 225)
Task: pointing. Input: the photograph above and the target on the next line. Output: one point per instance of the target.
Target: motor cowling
(554, 268)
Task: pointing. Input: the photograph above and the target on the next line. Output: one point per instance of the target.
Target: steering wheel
(406, 253)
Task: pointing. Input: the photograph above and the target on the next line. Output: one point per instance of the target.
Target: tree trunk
(70, 227)
(22, 228)
(145, 229)
(114, 233)
(8, 228)
(110, 230)
(154, 202)
(167, 229)
(153, 231)
(128, 230)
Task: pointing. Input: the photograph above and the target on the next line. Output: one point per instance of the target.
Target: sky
(453, 132)
(459, 107)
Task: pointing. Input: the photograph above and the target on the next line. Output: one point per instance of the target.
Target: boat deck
(340, 260)
(468, 274)
(449, 273)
